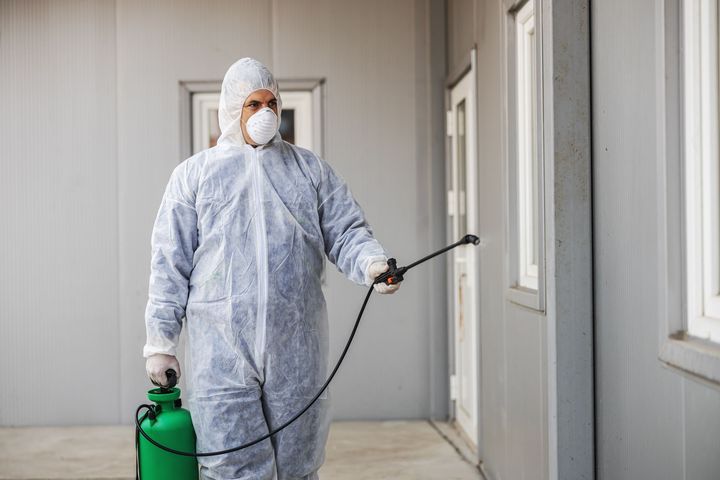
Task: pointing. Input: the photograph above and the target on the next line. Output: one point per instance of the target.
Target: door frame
(469, 67)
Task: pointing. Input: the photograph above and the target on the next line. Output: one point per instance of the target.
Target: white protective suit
(237, 250)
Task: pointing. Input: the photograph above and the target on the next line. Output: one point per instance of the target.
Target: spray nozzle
(471, 239)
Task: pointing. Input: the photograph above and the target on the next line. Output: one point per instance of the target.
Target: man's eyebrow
(258, 101)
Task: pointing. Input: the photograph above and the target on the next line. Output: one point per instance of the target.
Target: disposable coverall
(237, 250)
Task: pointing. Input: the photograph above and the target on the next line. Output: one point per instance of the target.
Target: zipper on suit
(261, 259)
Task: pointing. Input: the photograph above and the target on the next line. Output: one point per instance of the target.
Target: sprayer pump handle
(171, 378)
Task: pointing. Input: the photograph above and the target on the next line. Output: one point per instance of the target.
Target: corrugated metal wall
(92, 99)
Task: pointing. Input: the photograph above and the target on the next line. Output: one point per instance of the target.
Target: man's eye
(273, 103)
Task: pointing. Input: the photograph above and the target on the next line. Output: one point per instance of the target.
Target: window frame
(202, 104)
(302, 102)
(525, 279)
(680, 240)
(700, 160)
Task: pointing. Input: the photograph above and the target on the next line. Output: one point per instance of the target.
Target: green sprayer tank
(172, 427)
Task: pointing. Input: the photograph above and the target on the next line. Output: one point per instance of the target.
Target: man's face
(255, 102)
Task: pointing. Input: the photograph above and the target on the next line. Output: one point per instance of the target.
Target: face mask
(262, 126)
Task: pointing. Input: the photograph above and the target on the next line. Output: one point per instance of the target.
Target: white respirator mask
(262, 126)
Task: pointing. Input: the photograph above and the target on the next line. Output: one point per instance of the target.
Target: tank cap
(158, 395)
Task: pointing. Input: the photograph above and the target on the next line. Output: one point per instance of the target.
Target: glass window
(701, 169)
(528, 188)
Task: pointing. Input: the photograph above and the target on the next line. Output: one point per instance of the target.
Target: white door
(462, 208)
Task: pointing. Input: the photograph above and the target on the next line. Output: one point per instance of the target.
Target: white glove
(156, 366)
(376, 269)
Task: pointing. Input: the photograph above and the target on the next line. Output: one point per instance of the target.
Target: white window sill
(525, 297)
(697, 357)
(706, 328)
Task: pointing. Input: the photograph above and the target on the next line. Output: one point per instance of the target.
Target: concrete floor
(356, 450)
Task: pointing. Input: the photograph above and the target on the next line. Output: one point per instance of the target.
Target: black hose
(138, 421)
(467, 239)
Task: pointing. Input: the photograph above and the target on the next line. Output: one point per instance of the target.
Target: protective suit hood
(242, 78)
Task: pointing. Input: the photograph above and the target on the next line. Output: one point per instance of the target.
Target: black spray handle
(171, 380)
(393, 275)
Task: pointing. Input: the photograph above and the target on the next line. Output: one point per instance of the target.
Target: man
(237, 250)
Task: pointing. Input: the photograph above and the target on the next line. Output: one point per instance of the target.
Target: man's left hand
(376, 269)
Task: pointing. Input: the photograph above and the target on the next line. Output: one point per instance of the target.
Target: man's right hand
(376, 269)
(156, 366)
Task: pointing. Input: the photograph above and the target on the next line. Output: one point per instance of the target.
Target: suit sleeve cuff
(366, 268)
(149, 350)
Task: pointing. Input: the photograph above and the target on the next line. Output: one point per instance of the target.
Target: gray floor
(356, 450)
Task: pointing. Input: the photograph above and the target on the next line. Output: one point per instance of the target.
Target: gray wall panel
(569, 239)
(462, 32)
(433, 196)
(651, 421)
(526, 401)
(495, 442)
(702, 429)
(59, 358)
